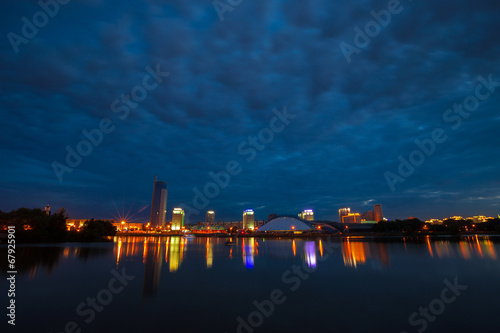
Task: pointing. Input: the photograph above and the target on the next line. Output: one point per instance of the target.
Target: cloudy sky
(354, 95)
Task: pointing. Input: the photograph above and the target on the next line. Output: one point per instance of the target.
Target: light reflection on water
(173, 272)
(355, 250)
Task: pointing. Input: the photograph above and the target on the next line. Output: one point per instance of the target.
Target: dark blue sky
(352, 116)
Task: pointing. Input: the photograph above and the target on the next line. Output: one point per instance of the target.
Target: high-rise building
(248, 219)
(177, 219)
(210, 217)
(368, 216)
(343, 212)
(377, 213)
(351, 218)
(307, 215)
(158, 204)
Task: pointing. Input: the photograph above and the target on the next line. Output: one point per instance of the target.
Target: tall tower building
(158, 204)
(177, 219)
(343, 212)
(307, 215)
(210, 217)
(377, 212)
(248, 219)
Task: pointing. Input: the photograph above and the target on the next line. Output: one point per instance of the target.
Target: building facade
(343, 212)
(158, 204)
(368, 216)
(177, 219)
(248, 219)
(210, 217)
(351, 218)
(307, 215)
(377, 213)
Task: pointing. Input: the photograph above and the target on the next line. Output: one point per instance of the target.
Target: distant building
(210, 217)
(307, 215)
(75, 224)
(368, 216)
(377, 212)
(124, 226)
(481, 218)
(343, 212)
(351, 218)
(248, 219)
(177, 219)
(47, 210)
(271, 216)
(158, 204)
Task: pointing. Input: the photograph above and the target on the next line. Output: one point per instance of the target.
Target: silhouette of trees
(36, 226)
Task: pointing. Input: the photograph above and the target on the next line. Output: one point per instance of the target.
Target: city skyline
(279, 106)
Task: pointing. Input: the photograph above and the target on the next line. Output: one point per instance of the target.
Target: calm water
(201, 285)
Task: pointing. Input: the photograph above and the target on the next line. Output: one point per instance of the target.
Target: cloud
(352, 120)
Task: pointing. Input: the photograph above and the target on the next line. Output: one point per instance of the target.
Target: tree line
(36, 226)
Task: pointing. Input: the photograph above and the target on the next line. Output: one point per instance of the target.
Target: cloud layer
(352, 120)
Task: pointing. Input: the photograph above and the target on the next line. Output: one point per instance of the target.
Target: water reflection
(248, 245)
(310, 254)
(176, 252)
(29, 259)
(468, 247)
(356, 252)
(210, 253)
(154, 251)
(153, 259)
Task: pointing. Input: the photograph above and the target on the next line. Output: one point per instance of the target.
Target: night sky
(351, 106)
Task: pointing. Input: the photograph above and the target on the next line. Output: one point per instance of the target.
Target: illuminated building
(307, 215)
(351, 218)
(368, 216)
(158, 204)
(377, 212)
(177, 219)
(47, 210)
(127, 226)
(74, 224)
(481, 218)
(434, 221)
(248, 219)
(210, 217)
(343, 212)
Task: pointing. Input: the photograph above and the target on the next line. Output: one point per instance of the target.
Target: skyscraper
(377, 212)
(158, 204)
(210, 217)
(248, 219)
(177, 219)
(343, 212)
(307, 215)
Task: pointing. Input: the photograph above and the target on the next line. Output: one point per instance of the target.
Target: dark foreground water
(258, 285)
